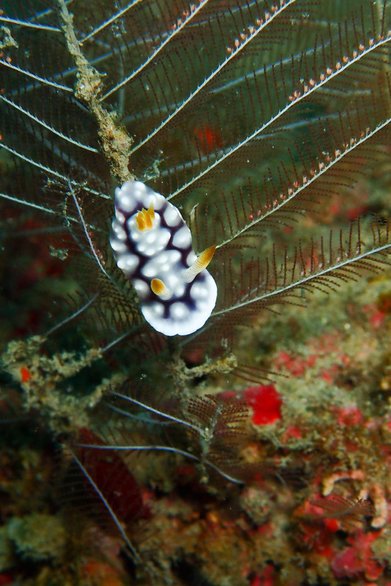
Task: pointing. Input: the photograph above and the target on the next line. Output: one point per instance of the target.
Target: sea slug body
(153, 247)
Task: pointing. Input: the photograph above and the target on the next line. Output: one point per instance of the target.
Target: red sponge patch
(265, 402)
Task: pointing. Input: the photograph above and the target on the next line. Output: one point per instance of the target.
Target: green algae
(37, 537)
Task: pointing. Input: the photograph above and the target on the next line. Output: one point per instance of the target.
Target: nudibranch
(153, 246)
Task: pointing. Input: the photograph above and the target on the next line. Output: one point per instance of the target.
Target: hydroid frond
(100, 493)
(273, 280)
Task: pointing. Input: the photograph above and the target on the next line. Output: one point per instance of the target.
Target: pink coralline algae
(375, 316)
(264, 579)
(349, 415)
(265, 402)
(295, 365)
(357, 559)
